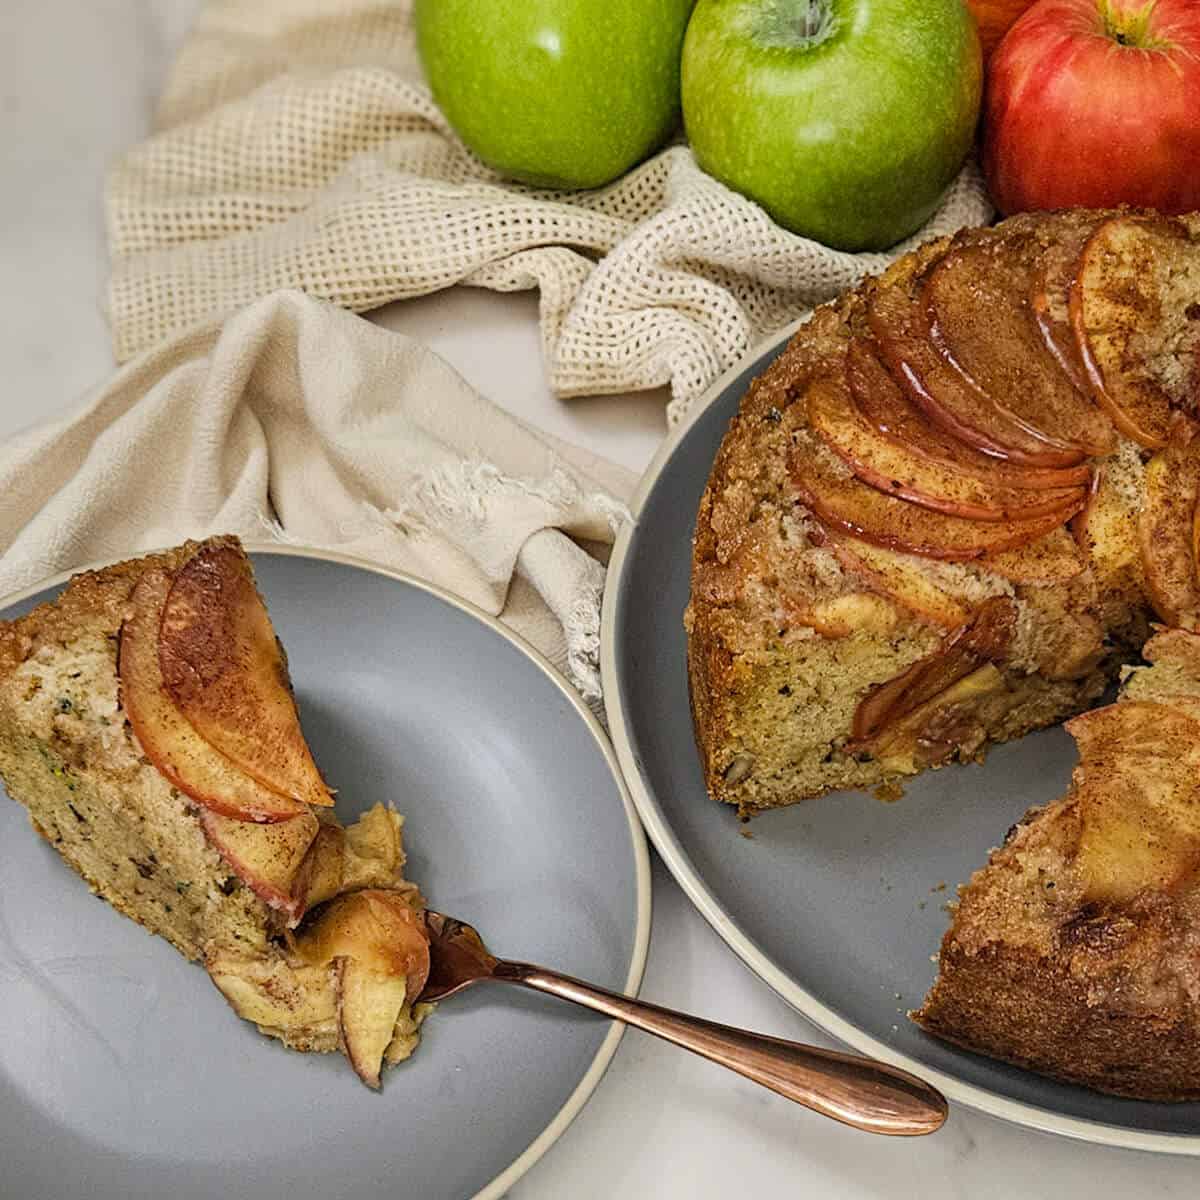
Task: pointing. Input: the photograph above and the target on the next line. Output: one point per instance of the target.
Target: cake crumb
(889, 792)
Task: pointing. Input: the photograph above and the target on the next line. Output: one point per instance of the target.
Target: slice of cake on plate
(148, 724)
(1076, 950)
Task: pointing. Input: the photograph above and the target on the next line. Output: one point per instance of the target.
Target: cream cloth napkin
(297, 148)
(298, 422)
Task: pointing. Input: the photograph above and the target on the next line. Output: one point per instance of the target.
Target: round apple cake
(954, 510)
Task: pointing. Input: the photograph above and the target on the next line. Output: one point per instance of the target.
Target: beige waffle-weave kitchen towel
(297, 148)
(296, 421)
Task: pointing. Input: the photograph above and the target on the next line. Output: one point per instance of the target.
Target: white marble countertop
(77, 84)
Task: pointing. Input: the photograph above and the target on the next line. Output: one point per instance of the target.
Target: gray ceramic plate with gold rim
(124, 1074)
(837, 903)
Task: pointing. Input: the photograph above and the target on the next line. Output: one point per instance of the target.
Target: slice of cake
(1076, 951)
(147, 723)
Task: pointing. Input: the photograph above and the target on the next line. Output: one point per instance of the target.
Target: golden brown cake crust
(1032, 973)
(1027, 1010)
(91, 600)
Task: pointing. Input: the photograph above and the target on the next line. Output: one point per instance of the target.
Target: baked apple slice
(379, 929)
(272, 991)
(843, 616)
(368, 1006)
(266, 858)
(837, 498)
(1134, 314)
(364, 854)
(1165, 529)
(890, 467)
(1126, 847)
(1138, 793)
(223, 667)
(977, 306)
(1133, 728)
(888, 409)
(321, 873)
(901, 578)
(378, 948)
(985, 638)
(897, 317)
(170, 742)
(950, 723)
(1053, 558)
(1050, 299)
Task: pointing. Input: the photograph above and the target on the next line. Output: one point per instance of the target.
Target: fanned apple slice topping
(168, 739)
(1134, 314)
(888, 408)
(222, 666)
(1050, 300)
(977, 305)
(1166, 529)
(898, 318)
(892, 468)
(837, 498)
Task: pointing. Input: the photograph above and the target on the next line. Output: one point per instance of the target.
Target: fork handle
(862, 1092)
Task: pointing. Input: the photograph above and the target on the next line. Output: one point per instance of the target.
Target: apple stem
(1129, 28)
(815, 19)
(794, 24)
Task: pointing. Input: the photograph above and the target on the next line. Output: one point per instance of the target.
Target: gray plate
(837, 903)
(124, 1074)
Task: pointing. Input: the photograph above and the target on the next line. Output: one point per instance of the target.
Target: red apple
(994, 18)
(1096, 103)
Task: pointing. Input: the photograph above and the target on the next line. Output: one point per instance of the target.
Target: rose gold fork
(857, 1091)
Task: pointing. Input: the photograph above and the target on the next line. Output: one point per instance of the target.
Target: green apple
(844, 119)
(556, 93)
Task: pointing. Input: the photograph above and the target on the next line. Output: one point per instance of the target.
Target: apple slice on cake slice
(897, 316)
(266, 858)
(1166, 528)
(377, 946)
(168, 739)
(836, 497)
(892, 468)
(1138, 791)
(888, 408)
(1133, 309)
(223, 667)
(1127, 844)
